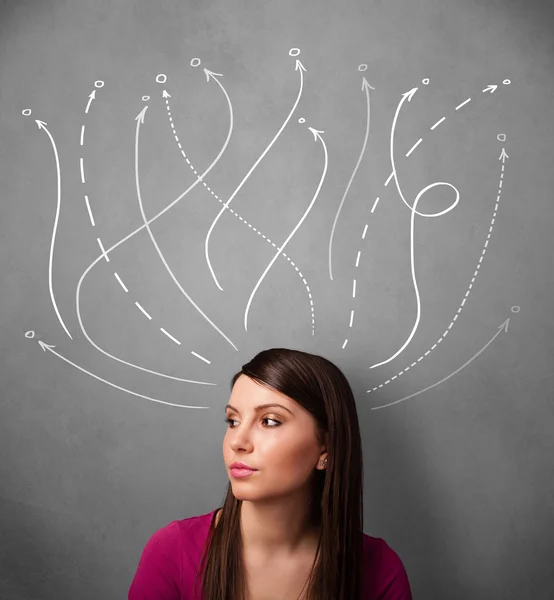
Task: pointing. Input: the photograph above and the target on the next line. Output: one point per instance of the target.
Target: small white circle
(515, 309)
(99, 84)
(362, 67)
(301, 120)
(30, 334)
(195, 62)
(161, 78)
(501, 137)
(145, 98)
(26, 112)
(294, 51)
(506, 82)
(425, 81)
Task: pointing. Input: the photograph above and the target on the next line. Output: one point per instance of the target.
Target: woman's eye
(228, 420)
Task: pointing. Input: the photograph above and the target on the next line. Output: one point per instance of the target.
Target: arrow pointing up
(40, 124)
(165, 94)
(211, 74)
(92, 96)
(299, 65)
(503, 156)
(365, 85)
(316, 133)
(141, 114)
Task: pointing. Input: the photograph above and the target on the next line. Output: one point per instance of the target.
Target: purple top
(169, 561)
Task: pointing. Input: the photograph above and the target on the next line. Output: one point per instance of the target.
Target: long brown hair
(337, 504)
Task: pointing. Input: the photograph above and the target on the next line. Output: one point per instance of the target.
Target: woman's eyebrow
(260, 407)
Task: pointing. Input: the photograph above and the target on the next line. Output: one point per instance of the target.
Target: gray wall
(458, 442)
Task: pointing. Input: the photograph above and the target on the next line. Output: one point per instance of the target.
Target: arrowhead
(365, 85)
(409, 95)
(505, 324)
(140, 116)
(93, 95)
(490, 88)
(211, 74)
(44, 346)
(316, 133)
(503, 156)
(299, 65)
(40, 124)
(165, 94)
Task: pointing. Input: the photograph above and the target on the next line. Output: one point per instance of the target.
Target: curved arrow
(412, 262)
(503, 327)
(140, 119)
(464, 299)
(233, 212)
(365, 87)
(51, 349)
(42, 125)
(122, 241)
(322, 179)
(299, 67)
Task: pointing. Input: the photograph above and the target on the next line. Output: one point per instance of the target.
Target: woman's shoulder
(189, 529)
(168, 561)
(384, 572)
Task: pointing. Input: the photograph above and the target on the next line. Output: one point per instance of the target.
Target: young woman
(291, 524)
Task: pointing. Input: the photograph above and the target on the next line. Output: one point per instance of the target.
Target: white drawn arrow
(503, 327)
(122, 241)
(90, 99)
(503, 156)
(406, 96)
(464, 299)
(490, 88)
(236, 214)
(140, 120)
(365, 87)
(50, 349)
(42, 125)
(165, 94)
(299, 67)
(317, 136)
(412, 263)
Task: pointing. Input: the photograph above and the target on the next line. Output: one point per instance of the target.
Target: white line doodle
(299, 67)
(414, 147)
(143, 311)
(50, 348)
(122, 241)
(501, 137)
(104, 255)
(317, 136)
(90, 99)
(462, 104)
(503, 327)
(412, 262)
(233, 212)
(438, 123)
(365, 88)
(464, 299)
(140, 119)
(42, 125)
(200, 357)
(121, 282)
(170, 336)
(89, 211)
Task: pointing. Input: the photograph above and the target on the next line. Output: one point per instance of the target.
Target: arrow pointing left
(42, 125)
(50, 348)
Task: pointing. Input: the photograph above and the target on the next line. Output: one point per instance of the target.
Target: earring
(323, 463)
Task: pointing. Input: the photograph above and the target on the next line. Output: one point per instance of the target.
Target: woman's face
(279, 441)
